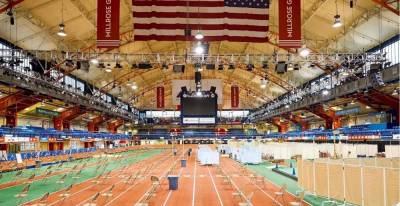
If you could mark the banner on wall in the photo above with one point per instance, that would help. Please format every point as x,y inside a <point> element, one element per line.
<point>234,96</point>
<point>108,23</point>
<point>290,24</point>
<point>160,97</point>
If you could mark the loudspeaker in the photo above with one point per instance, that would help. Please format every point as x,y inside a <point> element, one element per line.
<point>197,77</point>
<point>178,68</point>
<point>213,89</point>
<point>281,67</point>
<point>210,66</point>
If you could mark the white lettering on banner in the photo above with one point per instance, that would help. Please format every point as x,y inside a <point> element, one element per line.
<point>108,18</point>
<point>289,17</point>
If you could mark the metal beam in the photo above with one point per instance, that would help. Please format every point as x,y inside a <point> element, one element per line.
<point>387,6</point>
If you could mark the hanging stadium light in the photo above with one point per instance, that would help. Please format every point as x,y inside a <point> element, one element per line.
<point>337,22</point>
<point>61,31</point>
<point>304,51</point>
<point>199,35</point>
<point>199,49</point>
<point>325,92</point>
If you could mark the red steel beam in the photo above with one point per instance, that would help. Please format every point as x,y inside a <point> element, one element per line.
<point>93,126</point>
<point>10,5</point>
<point>387,6</point>
<point>113,126</point>
<point>331,120</point>
<point>63,120</point>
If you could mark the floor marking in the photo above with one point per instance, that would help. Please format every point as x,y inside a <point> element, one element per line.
<point>187,176</point>
<point>170,192</point>
<point>259,188</point>
<point>136,183</point>
<point>201,176</point>
<point>215,187</point>
<point>194,183</point>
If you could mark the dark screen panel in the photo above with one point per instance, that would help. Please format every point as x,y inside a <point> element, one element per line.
<point>199,106</point>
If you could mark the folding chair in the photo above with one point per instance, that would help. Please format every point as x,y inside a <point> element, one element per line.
<point>67,192</point>
<point>61,180</point>
<point>299,201</point>
<point>23,194</point>
<point>43,200</point>
<point>92,201</point>
<point>31,179</point>
<point>77,175</point>
<point>280,194</point>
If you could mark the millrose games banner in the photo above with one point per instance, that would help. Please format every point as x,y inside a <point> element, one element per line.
<point>108,23</point>
<point>160,97</point>
<point>289,23</point>
<point>234,96</point>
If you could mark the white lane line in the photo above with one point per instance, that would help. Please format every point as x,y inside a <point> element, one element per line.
<point>215,187</point>
<point>170,192</point>
<point>194,181</point>
<point>147,191</point>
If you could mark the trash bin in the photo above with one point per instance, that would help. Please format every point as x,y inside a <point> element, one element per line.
<point>38,163</point>
<point>183,163</point>
<point>173,182</point>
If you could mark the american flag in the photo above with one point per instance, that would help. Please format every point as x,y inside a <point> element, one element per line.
<point>218,20</point>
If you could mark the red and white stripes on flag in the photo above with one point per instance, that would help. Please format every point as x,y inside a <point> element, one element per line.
<point>218,20</point>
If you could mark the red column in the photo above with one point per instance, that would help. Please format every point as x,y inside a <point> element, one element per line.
<point>93,126</point>
<point>283,127</point>
<point>62,122</point>
<point>113,126</point>
<point>331,120</point>
<point>11,118</point>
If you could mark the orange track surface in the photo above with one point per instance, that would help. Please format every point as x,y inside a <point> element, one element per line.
<point>198,185</point>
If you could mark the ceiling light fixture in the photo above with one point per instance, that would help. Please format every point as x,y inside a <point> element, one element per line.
<point>108,69</point>
<point>134,87</point>
<point>94,61</point>
<point>325,92</point>
<point>304,51</point>
<point>199,35</point>
<point>337,22</point>
<point>61,30</point>
<point>199,49</point>
<point>61,26</point>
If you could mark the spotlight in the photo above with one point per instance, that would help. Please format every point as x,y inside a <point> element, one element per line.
<point>353,102</point>
<point>304,51</point>
<point>199,93</point>
<point>290,67</point>
<point>199,49</point>
<point>395,92</point>
<point>325,92</point>
<point>61,30</point>
<point>108,69</point>
<point>265,65</point>
<point>198,67</point>
<point>345,73</point>
<point>134,86</point>
<point>337,22</point>
<point>199,35</point>
<point>250,67</point>
<point>220,67</point>
<point>367,107</point>
<point>231,66</point>
<point>296,67</point>
<point>287,106</point>
<point>164,66</point>
<point>118,66</point>
<point>94,61</point>
<point>101,66</point>
<point>263,83</point>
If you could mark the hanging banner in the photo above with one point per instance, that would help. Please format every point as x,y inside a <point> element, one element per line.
<point>290,24</point>
<point>160,97</point>
<point>108,23</point>
<point>234,96</point>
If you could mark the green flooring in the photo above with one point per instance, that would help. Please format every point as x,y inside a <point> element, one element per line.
<point>265,170</point>
<point>40,187</point>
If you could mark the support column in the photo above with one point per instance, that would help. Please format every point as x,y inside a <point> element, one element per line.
<point>93,126</point>
<point>62,122</point>
<point>331,120</point>
<point>283,127</point>
<point>298,120</point>
<point>113,126</point>
<point>11,118</point>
